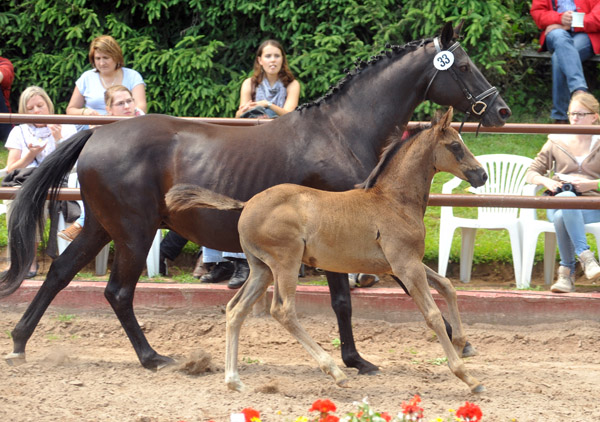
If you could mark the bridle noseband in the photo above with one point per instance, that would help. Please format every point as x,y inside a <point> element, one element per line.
<point>478,106</point>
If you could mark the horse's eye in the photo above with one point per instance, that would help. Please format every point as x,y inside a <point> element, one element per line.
<point>455,146</point>
<point>464,68</point>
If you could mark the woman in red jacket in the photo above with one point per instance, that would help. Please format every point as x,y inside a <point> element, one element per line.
<point>569,44</point>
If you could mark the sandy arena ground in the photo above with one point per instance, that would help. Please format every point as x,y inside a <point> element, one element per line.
<point>81,367</point>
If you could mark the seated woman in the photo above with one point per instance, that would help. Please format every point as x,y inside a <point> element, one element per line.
<point>119,102</point>
<point>575,159</point>
<point>29,144</point>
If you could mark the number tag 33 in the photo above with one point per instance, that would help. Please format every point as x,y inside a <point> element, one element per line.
<point>443,60</point>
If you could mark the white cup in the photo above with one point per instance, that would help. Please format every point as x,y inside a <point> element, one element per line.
<point>577,21</point>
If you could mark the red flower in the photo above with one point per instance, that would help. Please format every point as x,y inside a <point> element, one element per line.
<point>386,416</point>
<point>250,414</point>
<point>470,412</point>
<point>412,408</point>
<point>323,406</point>
<point>329,418</point>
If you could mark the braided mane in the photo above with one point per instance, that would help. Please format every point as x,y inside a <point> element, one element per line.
<point>391,52</point>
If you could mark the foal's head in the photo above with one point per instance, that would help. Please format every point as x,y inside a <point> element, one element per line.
<point>452,155</point>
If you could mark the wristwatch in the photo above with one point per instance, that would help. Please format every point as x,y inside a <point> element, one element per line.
<point>269,104</point>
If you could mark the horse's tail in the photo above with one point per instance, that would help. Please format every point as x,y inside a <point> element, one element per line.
<point>27,210</point>
<point>184,196</point>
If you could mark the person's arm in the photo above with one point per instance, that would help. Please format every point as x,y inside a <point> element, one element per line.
<point>139,95</point>
<point>245,98</point>
<point>77,107</point>
<point>543,14</point>
<point>7,73</point>
<point>591,20</point>
<point>16,160</point>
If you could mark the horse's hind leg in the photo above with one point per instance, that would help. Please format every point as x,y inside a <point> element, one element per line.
<point>446,289</point>
<point>283,309</point>
<point>81,251</point>
<point>342,306</point>
<point>237,310</point>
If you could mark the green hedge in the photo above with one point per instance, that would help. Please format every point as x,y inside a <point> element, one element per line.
<point>194,54</point>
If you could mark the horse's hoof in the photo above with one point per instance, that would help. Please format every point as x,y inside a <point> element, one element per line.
<point>158,362</point>
<point>469,351</point>
<point>345,383</point>
<point>15,359</point>
<point>480,388</point>
<point>236,386</point>
<point>369,369</point>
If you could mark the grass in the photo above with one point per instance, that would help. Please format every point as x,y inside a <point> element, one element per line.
<point>490,246</point>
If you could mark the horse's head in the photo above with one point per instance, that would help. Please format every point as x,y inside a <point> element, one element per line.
<point>454,80</point>
<point>452,155</point>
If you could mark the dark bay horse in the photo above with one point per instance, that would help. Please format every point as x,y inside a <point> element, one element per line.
<point>376,228</point>
<point>126,168</point>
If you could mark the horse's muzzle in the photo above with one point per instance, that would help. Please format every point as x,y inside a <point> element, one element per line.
<point>476,177</point>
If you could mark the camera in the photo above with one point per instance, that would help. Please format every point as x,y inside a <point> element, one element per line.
<point>566,187</point>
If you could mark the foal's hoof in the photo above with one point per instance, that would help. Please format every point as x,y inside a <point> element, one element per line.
<point>469,351</point>
<point>236,385</point>
<point>345,383</point>
<point>158,362</point>
<point>368,369</point>
<point>479,388</point>
<point>15,359</point>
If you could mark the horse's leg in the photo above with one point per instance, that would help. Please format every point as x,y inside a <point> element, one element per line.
<point>129,261</point>
<point>415,279</point>
<point>283,309</point>
<point>81,251</point>
<point>467,350</point>
<point>342,305</point>
<point>448,292</point>
<point>238,309</point>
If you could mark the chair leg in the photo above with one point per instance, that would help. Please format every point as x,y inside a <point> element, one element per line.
<point>102,260</point>
<point>445,244</point>
<point>529,245</point>
<point>152,261</point>
<point>466,253</point>
<point>549,257</point>
<point>517,254</point>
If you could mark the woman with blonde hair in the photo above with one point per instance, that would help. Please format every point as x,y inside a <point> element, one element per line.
<point>575,161</point>
<point>106,58</point>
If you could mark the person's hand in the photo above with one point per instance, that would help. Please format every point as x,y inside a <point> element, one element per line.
<point>554,26</point>
<point>56,131</point>
<point>567,18</point>
<point>584,185</point>
<point>90,112</point>
<point>245,107</point>
<point>35,149</point>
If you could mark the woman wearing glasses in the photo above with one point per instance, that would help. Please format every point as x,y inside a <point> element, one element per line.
<point>119,102</point>
<point>574,160</point>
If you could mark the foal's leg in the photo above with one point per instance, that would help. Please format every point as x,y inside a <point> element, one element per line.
<point>448,292</point>
<point>341,303</point>
<point>283,309</point>
<point>81,251</point>
<point>416,282</point>
<point>238,309</point>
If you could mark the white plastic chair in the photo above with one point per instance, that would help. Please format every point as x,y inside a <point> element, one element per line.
<point>506,177</point>
<point>531,229</point>
<point>152,261</point>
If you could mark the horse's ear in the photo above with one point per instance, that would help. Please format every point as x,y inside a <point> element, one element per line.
<point>447,37</point>
<point>444,121</point>
<point>458,29</point>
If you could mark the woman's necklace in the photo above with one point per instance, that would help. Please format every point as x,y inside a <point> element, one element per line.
<point>106,85</point>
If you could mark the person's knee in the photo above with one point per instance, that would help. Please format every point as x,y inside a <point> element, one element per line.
<point>558,39</point>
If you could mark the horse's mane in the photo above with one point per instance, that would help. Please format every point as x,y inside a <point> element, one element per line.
<point>396,141</point>
<point>391,52</point>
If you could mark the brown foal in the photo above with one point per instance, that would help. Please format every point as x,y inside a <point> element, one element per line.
<point>376,228</point>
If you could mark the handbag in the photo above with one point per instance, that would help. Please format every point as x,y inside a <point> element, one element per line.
<point>17,177</point>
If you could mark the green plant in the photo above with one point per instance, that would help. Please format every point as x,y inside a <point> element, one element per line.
<point>336,343</point>
<point>66,317</point>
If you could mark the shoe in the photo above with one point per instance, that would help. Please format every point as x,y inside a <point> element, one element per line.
<point>221,271</point>
<point>590,265</point>
<point>352,280</point>
<point>71,232</point>
<point>162,265</point>
<point>200,269</point>
<point>32,273</point>
<point>366,280</point>
<point>240,274</point>
<point>565,282</point>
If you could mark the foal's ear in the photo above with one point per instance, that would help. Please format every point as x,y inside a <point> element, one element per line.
<point>458,29</point>
<point>444,121</point>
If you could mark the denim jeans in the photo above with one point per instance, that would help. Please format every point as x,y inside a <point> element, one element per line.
<point>570,231</point>
<point>212,255</point>
<point>569,50</point>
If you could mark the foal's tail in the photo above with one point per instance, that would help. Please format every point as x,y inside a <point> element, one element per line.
<point>183,197</point>
<point>27,211</point>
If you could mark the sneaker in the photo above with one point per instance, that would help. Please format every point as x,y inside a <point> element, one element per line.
<point>565,282</point>
<point>200,269</point>
<point>590,265</point>
<point>71,232</point>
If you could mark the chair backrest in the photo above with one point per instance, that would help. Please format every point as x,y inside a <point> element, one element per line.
<point>506,176</point>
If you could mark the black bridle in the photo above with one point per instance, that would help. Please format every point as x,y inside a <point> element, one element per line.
<point>478,106</point>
